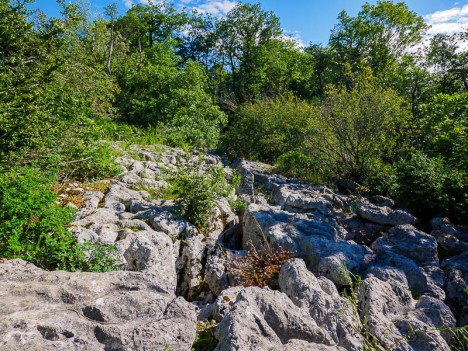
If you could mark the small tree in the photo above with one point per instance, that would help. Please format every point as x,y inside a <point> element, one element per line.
<point>355,128</point>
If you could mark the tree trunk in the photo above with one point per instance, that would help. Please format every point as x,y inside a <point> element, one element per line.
<point>111,47</point>
<point>140,51</point>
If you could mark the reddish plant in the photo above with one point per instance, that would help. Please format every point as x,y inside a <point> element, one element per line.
<point>260,268</point>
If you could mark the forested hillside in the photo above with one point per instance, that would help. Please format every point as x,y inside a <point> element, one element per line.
<point>382,105</point>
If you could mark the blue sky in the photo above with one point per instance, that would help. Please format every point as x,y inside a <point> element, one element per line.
<point>309,20</point>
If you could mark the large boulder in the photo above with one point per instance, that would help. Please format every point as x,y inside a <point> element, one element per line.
<point>408,241</point>
<point>315,238</point>
<point>383,214</point>
<point>321,299</point>
<point>90,311</point>
<point>421,280</point>
<point>456,270</point>
<point>393,318</point>
<point>262,319</point>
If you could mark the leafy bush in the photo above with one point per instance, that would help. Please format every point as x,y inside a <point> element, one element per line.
<point>357,127</point>
<point>299,165</point>
<point>173,99</point>
<point>33,226</point>
<point>197,190</point>
<point>260,268</point>
<point>54,98</point>
<point>444,128</point>
<point>268,129</point>
<point>428,187</point>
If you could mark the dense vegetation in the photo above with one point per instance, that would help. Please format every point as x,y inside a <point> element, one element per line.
<point>380,104</point>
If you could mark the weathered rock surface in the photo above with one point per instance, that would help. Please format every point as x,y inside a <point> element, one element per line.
<point>383,214</point>
<point>323,302</point>
<point>404,297</point>
<point>414,253</point>
<point>315,239</point>
<point>90,311</point>
<point>456,271</point>
<point>396,320</point>
<point>406,240</point>
<point>262,319</point>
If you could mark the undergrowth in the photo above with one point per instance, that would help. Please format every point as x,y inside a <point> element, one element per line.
<point>205,339</point>
<point>33,226</point>
<point>198,187</point>
<point>260,268</point>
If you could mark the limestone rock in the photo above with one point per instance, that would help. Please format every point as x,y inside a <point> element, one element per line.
<point>263,319</point>
<point>392,316</point>
<point>119,193</point>
<point>329,310</point>
<point>410,242</point>
<point>90,311</point>
<point>215,272</point>
<point>189,266</point>
<point>383,214</point>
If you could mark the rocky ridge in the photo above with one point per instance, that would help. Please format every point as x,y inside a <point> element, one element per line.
<point>412,285</point>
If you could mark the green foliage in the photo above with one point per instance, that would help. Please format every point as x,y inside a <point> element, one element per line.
<point>428,186</point>
<point>380,35</point>
<point>299,165</point>
<point>260,268</point>
<point>198,189</point>
<point>267,129</point>
<point>205,338</point>
<point>356,128</point>
<point>173,99</point>
<point>33,226</point>
<point>54,98</point>
<point>444,126</point>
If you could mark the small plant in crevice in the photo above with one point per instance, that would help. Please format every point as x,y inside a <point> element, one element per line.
<point>154,193</point>
<point>459,338</point>
<point>260,268</point>
<point>370,341</point>
<point>205,339</point>
<point>197,190</point>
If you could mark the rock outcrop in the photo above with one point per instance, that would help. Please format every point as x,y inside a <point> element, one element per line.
<point>363,274</point>
<point>91,311</point>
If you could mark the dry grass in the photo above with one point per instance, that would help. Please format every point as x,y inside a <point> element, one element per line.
<point>73,192</point>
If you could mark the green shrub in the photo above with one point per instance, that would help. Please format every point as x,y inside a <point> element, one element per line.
<point>296,164</point>
<point>428,187</point>
<point>198,189</point>
<point>356,127</point>
<point>444,128</point>
<point>173,99</point>
<point>55,99</point>
<point>33,226</point>
<point>382,179</point>
<point>268,129</point>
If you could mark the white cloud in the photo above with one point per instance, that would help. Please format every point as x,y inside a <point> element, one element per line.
<point>128,3</point>
<point>446,28</point>
<point>448,21</point>
<point>295,37</point>
<point>216,7</point>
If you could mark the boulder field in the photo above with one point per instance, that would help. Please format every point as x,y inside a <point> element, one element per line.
<point>364,275</point>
